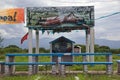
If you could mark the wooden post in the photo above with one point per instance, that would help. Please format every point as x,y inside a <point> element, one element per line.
<point>109,67</point>
<point>92,44</point>
<point>31,67</point>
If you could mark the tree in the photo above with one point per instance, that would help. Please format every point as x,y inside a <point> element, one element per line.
<point>97,48</point>
<point>115,51</point>
<point>1,40</point>
<point>12,46</point>
<point>13,49</point>
<point>104,49</point>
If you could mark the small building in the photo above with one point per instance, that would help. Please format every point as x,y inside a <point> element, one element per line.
<point>62,45</point>
<point>77,49</point>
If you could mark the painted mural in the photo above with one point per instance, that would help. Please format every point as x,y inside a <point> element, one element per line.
<point>60,17</point>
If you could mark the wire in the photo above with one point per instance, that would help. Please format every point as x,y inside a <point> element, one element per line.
<point>107,15</point>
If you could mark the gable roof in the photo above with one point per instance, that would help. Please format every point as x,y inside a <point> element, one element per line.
<point>62,38</point>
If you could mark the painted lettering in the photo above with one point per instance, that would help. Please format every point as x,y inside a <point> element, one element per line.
<point>15,16</point>
<point>9,18</point>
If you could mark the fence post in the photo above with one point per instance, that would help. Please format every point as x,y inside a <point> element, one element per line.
<point>53,69</point>
<point>85,69</point>
<point>60,66</point>
<point>9,69</point>
<point>118,62</point>
<point>109,66</point>
<point>2,69</point>
<point>13,66</point>
<point>62,70</point>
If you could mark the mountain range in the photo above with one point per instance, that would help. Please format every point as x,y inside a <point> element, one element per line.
<point>44,42</point>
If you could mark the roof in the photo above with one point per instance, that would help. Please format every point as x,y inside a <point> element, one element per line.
<point>77,47</point>
<point>62,38</point>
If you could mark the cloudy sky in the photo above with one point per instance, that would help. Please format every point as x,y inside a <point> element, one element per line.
<point>107,28</point>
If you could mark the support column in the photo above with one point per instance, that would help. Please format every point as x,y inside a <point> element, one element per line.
<point>92,43</point>
<point>87,43</point>
<point>37,52</point>
<point>31,67</point>
<point>37,41</point>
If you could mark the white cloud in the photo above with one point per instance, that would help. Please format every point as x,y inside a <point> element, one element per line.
<point>106,8</point>
<point>108,28</point>
<point>3,32</point>
<point>6,4</point>
<point>105,28</point>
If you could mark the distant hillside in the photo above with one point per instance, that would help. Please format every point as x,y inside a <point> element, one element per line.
<point>44,42</point>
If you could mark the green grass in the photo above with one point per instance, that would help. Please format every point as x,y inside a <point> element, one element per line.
<point>67,77</point>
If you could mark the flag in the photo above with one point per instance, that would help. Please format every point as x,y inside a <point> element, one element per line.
<point>24,37</point>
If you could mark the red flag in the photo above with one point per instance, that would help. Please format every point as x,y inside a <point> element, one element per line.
<point>24,37</point>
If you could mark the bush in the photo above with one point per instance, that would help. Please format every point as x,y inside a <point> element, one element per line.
<point>13,50</point>
<point>2,51</point>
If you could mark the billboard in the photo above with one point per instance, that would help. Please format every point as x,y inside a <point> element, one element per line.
<point>12,16</point>
<point>57,17</point>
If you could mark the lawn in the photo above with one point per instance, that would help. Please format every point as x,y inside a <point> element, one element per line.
<point>67,77</point>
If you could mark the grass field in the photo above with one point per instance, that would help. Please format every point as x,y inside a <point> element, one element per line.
<point>67,77</point>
